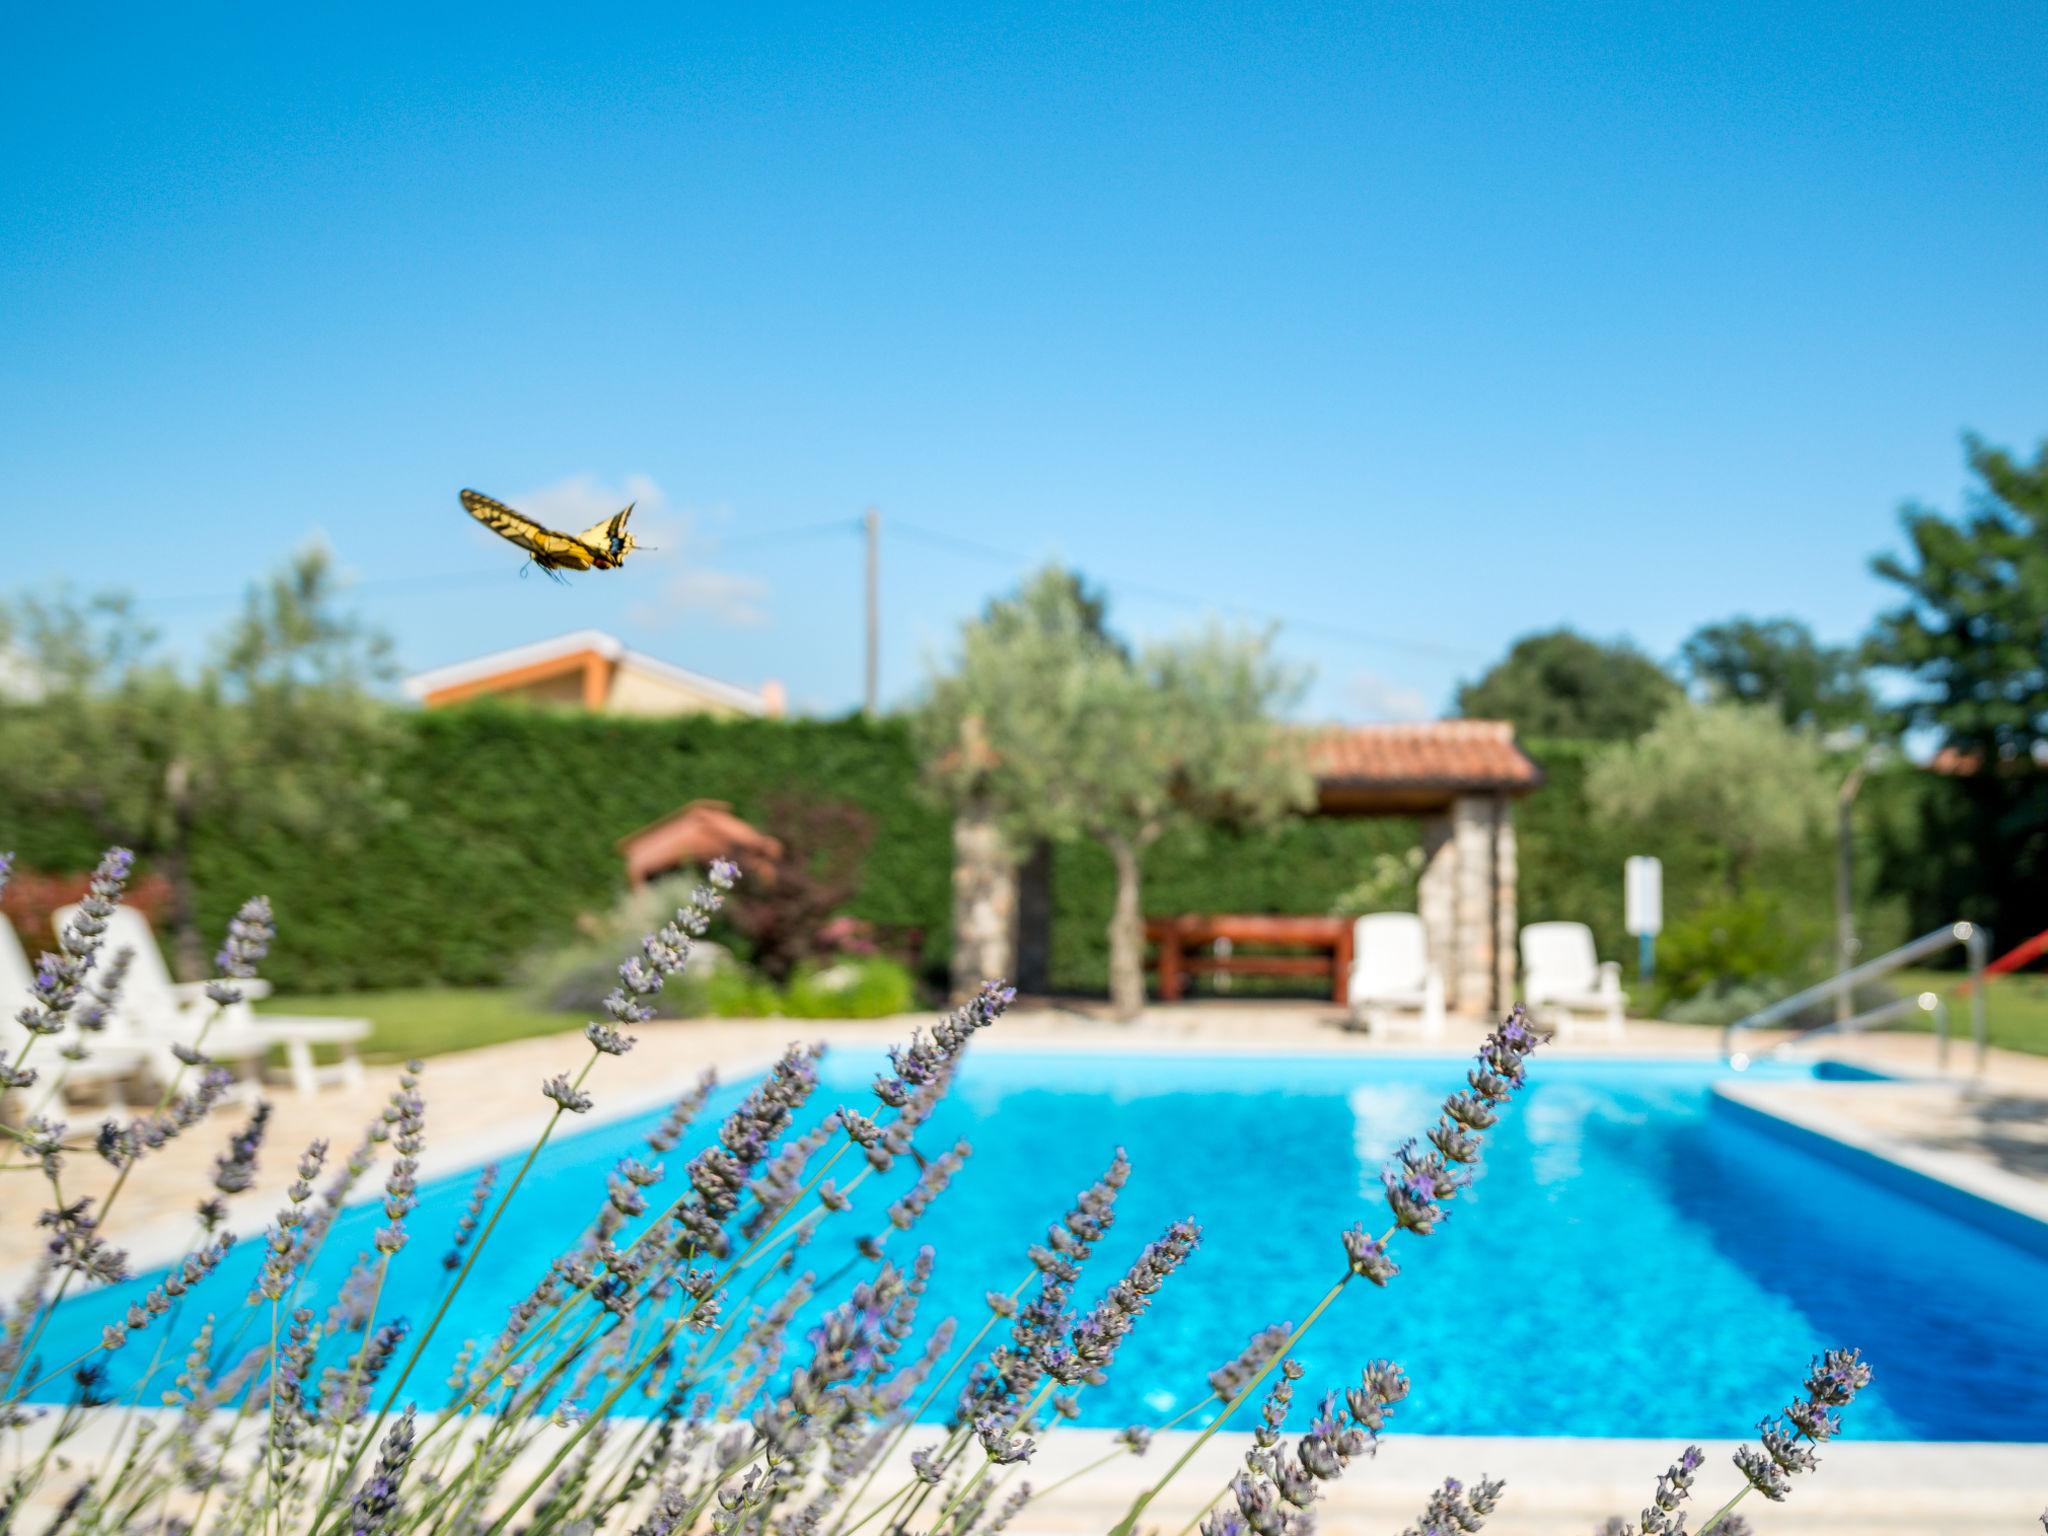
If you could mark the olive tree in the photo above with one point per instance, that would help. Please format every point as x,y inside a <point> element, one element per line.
<point>1053,727</point>
<point>279,727</point>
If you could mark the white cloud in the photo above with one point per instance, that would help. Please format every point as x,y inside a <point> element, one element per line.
<point>690,589</point>
<point>1381,698</point>
<point>723,597</point>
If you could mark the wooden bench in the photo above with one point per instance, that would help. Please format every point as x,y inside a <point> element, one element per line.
<point>1184,946</point>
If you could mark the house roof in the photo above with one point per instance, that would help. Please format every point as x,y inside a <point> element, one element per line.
<point>1416,765</point>
<point>581,642</point>
<point>696,833</point>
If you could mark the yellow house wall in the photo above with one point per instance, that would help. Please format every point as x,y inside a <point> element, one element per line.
<point>565,691</point>
<point>638,693</point>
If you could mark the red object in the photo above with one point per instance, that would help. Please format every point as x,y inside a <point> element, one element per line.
<point>693,836</point>
<point>2014,958</point>
<point>1459,754</point>
<point>1328,937</point>
<point>31,898</point>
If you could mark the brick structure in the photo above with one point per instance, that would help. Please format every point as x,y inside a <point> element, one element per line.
<point>1459,778</point>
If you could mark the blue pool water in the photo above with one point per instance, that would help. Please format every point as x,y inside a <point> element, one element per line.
<point>1632,1262</point>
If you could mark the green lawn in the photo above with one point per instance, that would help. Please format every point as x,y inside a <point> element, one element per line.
<point>2016,1013</point>
<point>427,1021</point>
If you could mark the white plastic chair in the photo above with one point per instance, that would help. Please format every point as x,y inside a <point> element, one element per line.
<point>110,1056</point>
<point>1391,975</point>
<point>161,1013</point>
<point>1564,981</point>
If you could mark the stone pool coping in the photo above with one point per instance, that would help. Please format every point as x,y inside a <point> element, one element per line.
<point>1555,1486</point>
<point>1817,1116</point>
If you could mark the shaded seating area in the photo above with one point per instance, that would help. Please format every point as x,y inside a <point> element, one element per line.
<point>1457,780</point>
<point>1246,945</point>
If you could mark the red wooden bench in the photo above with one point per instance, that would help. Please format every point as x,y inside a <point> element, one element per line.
<point>1184,946</point>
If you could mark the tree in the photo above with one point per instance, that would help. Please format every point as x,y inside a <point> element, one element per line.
<point>1972,631</point>
<point>1733,777</point>
<point>824,843</point>
<point>1055,728</point>
<point>1778,663</point>
<point>276,729</point>
<point>1563,685</point>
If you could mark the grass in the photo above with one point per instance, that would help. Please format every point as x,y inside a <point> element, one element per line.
<point>2016,1014</point>
<point>430,1021</point>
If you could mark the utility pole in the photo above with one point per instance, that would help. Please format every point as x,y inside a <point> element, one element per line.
<point>1846,944</point>
<point>872,524</point>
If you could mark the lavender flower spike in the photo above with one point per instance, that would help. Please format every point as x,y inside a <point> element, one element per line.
<point>59,979</point>
<point>248,941</point>
<point>1454,1508</point>
<point>663,954</point>
<point>1789,1440</point>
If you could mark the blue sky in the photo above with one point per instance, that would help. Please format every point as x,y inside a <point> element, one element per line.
<point>1418,326</point>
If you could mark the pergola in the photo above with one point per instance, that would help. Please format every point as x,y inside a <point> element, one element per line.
<point>1458,778</point>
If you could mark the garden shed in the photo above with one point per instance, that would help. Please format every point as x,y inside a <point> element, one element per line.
<point>1458,778</point>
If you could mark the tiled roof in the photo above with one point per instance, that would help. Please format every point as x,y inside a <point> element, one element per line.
<point>1448,754</point>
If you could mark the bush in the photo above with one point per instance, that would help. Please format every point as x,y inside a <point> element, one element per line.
<point>734,992</point>
<point>1735,943</point>
<point>577,976</point>
<point>872,988</point>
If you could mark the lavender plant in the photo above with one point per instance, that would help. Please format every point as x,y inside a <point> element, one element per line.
<point>685,1360</point>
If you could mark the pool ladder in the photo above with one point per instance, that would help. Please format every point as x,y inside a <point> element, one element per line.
<point>1975,940</point>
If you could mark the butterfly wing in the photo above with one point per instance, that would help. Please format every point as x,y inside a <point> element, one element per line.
<point>608,541</point>
<point>549,549</point>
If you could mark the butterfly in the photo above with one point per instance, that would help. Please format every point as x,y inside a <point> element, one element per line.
<point>602,546</point>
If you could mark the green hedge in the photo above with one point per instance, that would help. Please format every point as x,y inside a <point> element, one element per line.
<point>506,819</point>
<point>503,832</point>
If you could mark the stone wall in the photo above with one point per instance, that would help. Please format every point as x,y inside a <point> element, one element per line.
<point>1466,899</point>
<point>984,904</point>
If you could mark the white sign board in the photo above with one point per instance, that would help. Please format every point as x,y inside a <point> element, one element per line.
<point>1643,895</point>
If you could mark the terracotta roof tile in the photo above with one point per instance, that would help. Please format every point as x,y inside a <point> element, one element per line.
<point>1449,754</point>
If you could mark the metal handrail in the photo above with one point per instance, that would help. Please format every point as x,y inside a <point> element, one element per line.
<point>1976,942</point>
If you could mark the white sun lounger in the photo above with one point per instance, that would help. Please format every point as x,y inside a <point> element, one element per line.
<point>110,1058</point>
<point>1392,981</point>
<point>1564,981</point>
<point>161,1013</point>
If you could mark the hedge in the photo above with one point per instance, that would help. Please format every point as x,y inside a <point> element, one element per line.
<point>502,831</point>
<point>503,824</point>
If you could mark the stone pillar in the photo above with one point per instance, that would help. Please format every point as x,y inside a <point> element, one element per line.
<point>1470,981</point>
<point>1507,930</point>
<point>984,904</point>
<point>1436,900</point>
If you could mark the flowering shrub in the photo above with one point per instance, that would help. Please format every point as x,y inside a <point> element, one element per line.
<point>684,1296</point>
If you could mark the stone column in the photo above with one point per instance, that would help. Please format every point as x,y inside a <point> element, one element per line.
<point>1507,930</point>
<point>1436,900</point>
<point>984,904</point>
<point>1470,981</point>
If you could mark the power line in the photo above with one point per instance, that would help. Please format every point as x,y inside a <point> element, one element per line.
<point>841,525</point>
<point>1339,632</point>
<point>932,538</point>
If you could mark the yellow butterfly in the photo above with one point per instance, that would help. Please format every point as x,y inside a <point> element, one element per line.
<point>602,546</point>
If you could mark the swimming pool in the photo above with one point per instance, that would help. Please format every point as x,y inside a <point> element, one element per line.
<point>1631,1262</point>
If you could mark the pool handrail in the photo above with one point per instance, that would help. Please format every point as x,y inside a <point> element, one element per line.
<point>1976,942</point>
